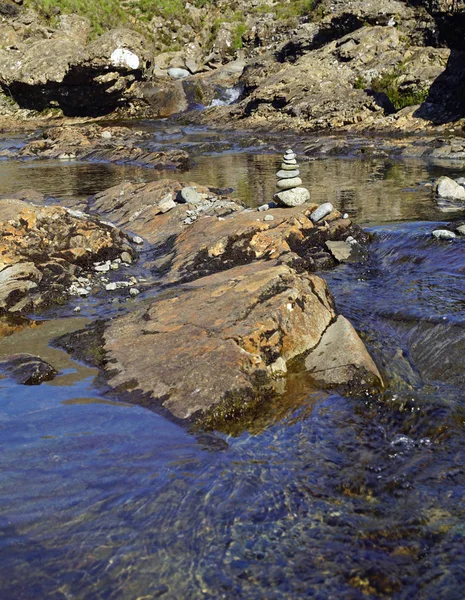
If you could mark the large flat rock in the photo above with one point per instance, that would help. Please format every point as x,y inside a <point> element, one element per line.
<point>219,338</point>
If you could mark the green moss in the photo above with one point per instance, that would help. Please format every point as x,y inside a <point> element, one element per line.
<point>389,84</point>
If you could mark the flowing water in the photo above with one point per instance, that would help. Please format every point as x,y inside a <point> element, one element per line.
<point>330,497</point>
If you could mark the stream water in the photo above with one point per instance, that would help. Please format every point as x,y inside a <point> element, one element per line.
<point>331,497</point>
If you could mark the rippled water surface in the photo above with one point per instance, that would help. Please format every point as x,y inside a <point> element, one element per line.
<point>330,497</point>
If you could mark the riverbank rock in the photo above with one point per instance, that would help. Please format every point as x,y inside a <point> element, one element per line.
<point>57,70</point>
<point>44,248</point>
<point>93,142</point>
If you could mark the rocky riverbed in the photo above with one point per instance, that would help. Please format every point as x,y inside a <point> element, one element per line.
<point>201,305</point>
<point>234,294</point>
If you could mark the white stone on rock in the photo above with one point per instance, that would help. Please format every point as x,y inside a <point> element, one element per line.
<point>177,73</point>
<point>268,218</point>
<point>293,197</point>
<point>446,187</point>
<point>287,174</point>
<point>291,156</point>
<point>444,234</point>
<point>289,151</point>
<point>289,167</point>
<point>136,239</point>
<point>122,57</point>
<point>321,212</point>
<point>190,195</point>
<point>287,184</point>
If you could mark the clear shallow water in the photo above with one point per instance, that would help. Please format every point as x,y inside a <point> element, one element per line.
<point>336,498</point>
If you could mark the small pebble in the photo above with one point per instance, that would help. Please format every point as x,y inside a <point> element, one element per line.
<point>263,207</point>
<point>134,292</point>
<point>126,258</point>
<point>82,291</point>
<point>114,266</point>
<point>102,268</point>
<point>135,239</point>
<point>77,309</point>
<point>268,218</point>
<point>345,216</point>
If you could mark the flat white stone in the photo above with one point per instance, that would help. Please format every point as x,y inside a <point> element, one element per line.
<point>287,184</point>
<point>293,197</point>
<point>177,73</point>
<point>291,156</point>
<point>289,167</point>
<point>289,161</point>
<point>287,174</point>
<point>122,57</point>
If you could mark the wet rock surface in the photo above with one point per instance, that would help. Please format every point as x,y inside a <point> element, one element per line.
<point>27,369</point>
<point>120,145</point>
<point>45,249</point>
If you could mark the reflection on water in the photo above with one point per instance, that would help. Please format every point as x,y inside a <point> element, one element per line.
<point>328,497</point>
<point>372,191</point>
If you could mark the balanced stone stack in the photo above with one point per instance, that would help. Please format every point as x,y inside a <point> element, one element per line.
<point>290,193</point>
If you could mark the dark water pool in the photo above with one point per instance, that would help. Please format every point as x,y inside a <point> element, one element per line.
<point>335,498</point>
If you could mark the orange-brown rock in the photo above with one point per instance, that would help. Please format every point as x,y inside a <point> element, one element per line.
<point>202,343</point>
<point>40,247</point>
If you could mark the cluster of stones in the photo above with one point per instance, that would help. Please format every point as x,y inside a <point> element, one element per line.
<point>290,193</point>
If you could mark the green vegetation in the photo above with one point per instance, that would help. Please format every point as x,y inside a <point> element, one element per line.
<point>238,33</point>
<point>103,15</point>
<point>389,84</point>
<point>360,83</point>
<point>287,10</point>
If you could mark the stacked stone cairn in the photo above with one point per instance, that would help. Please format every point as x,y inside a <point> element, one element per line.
<point>290,193</point>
